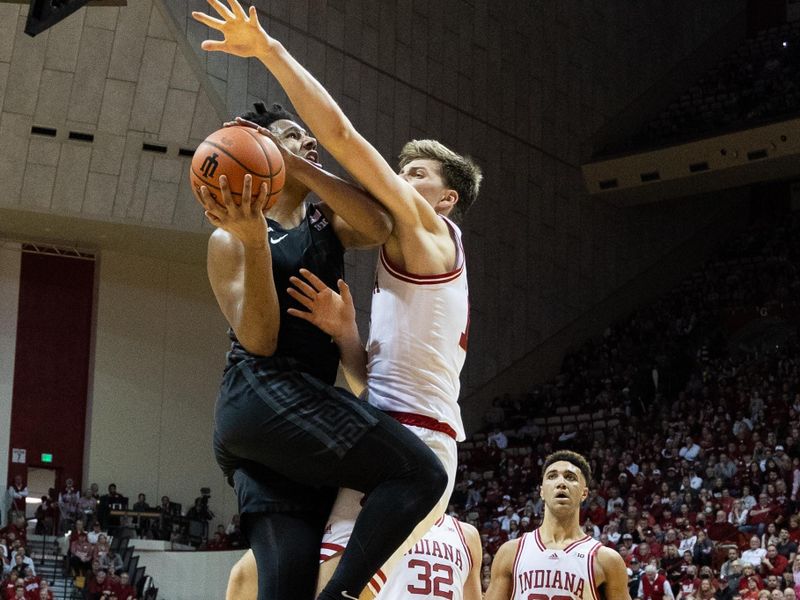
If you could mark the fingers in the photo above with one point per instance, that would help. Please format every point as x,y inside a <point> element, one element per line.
<point>304,300</point>
<point>208,20</point>
<point>246,123</point>
<point>263,197</point>
<point>344,291</point>
<point>318,284</point>
<point>237,9</point>
<point>225,188</point>
<point>197,197</point>
<point>301,285</point>
<point>213,46</point>
<point>223,10</point>
<point>213,219</point>
<point>247,192</point>
<point>203,196</point>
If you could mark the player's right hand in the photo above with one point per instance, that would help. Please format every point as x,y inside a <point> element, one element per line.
<point>244,221</point>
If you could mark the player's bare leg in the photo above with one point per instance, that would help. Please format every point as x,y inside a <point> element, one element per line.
<point>243,580</point>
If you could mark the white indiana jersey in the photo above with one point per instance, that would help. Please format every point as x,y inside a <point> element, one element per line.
<point>547,574</point>
<point>436,567</point>
<point>418,340</point>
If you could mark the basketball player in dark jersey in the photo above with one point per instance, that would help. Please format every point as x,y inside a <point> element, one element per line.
<point>283,435</point>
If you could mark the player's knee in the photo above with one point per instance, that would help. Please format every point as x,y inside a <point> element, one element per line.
<point>238,580</point>
<point>434,479</point>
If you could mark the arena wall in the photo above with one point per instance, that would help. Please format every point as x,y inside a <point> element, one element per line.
<point>159,353</point>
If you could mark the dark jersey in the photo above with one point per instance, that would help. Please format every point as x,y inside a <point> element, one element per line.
<point>312,245</point>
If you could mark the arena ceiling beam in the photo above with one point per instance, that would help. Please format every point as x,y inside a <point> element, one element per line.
<point>769,152</point>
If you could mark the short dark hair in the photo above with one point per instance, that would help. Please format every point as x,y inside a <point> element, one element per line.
<point>572,458</point>
<point>267,116</point>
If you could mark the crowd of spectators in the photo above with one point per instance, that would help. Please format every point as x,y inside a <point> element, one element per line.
<point>94,563</point>
<point>696,480</point>
<point>20,579</point>
<point>757,83</point>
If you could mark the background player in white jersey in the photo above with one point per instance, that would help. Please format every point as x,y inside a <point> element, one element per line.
<point>558,561</point>
<point>423,253</point>
<point>446,563</point>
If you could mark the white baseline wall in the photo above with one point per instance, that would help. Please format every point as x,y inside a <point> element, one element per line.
<point>10,261</point>
<point>159,352</point>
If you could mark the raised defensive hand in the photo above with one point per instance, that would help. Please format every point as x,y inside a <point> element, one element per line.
<point>243,34</point>
<point>333,313</point>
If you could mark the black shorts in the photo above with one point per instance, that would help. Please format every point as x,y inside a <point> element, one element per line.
<point>259,489</point>
<point>277,430</point>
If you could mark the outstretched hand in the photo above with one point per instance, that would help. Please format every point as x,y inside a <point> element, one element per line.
<point>333,313</point>
<point>243,34</point>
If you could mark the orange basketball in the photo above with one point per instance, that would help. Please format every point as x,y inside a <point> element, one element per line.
<point>234,152</point>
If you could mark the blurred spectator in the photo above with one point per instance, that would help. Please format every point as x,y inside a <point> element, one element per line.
<point>27,560</point>
<point>141,504</point>
<point>111,562</point>
<point>653,585</point>
<point>124,589</point>
<point>113,500</point>
<point>497,439</point>
<point>773,563</point>
<point>755,553</point>
<point>94,535</point>
<point>81,551</point>
<point>17,493</point>
<point>87,506</point>
<point>68,504</point>
<point>98,584</point>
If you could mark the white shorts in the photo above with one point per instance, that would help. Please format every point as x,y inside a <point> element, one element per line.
<point>348,505</point>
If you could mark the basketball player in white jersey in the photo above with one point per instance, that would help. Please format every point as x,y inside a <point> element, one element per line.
<point>446,563</point>
<point>420,307</point>
<point>558,561</point>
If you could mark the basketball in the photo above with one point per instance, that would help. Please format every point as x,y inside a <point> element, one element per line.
<point>234,152</point>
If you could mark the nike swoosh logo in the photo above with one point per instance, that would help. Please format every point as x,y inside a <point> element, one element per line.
<point>277,240</point>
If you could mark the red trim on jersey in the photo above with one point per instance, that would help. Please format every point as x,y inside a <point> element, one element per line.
<point>402,275</point>
<point>516,563</point>
<point>441,520</point>
<point>377,582</point>
<point>592,583</point>
<point>573,544</point>
<point>538,538</point>
<point>463,541</point>
<point>326,546</point>
<point>422,421</point>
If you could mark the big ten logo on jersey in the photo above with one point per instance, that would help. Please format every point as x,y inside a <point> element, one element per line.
<point>318,220</point>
